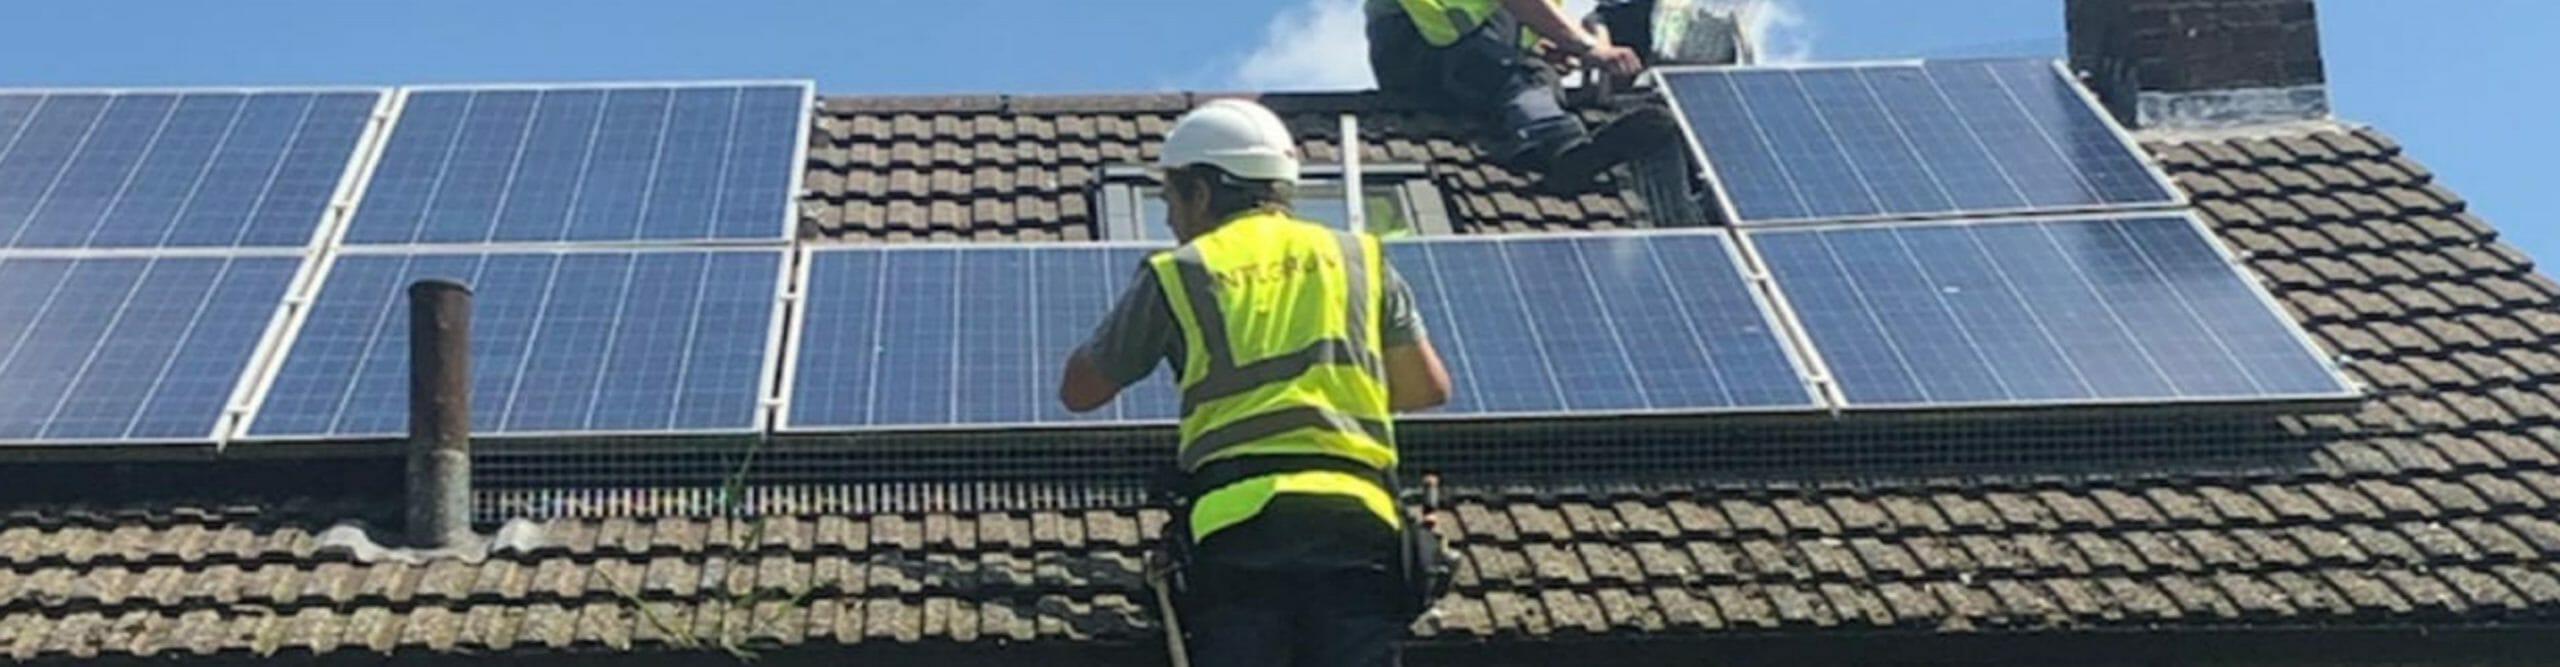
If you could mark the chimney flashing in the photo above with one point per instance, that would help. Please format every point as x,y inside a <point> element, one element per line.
<point>2205,109</point>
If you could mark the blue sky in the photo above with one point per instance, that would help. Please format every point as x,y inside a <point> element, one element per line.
<point>2462,84</point>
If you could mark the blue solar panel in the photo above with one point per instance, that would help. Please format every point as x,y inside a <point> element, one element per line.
<point>129,349</point>
<point>973,337</point>
<point>930,337</point>
<point>646,163</point>
<point>2135,308</point>
<point>1598,324</point>
<point>147,170</point>
<point>1859,142</point>
<point>576,342</point>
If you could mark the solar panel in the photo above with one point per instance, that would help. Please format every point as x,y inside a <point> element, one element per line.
<point>562,342</point>
<point>2047,311</point>
<point>1600,323</point>
<point>129,349</point>
<point>627,163</point>
<point>973,337</point>
<point>944,336</point>
<point>1929,139</point>
<point>173,169</point>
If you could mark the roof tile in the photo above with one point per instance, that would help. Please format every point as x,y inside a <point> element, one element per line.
<point>2108,555</point>
<point>1889,560</point>
<point>1914,515</point>
<point>2306,148</point>
<point>2535,583</point>
<point>2424,591</point>
<point>2439,542</point>
<point>2074,510</point>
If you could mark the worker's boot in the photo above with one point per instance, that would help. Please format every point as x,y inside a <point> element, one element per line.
<point>1577,168</point>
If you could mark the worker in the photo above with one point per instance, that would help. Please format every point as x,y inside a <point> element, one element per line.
<point>1480,58</point>
<point>1291,342</point>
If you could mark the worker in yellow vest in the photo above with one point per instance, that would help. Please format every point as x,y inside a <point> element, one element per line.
<point>1478,58</point>
<point>1291,343</point>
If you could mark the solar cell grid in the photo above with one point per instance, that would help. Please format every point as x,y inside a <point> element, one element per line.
<point>685,163</point>
<point>129,349</point>
<point>1927,139</point>
<point>173,169</point>
<point>562,342</point>
<point>2035,312</point>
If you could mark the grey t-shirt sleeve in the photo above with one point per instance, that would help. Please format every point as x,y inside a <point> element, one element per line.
<point>1404,319</point>
<point>1138,332</point>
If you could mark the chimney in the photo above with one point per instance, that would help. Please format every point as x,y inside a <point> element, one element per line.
<point>439,455</point>
<point>2200,63</point>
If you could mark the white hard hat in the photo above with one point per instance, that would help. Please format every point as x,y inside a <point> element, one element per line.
<point>1241,137</point>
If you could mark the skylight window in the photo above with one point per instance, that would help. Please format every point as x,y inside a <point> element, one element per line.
<point>1395,199</point>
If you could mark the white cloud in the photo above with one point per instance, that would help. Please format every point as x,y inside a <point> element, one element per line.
<point>1780,31</point>
<point>1322,45</point>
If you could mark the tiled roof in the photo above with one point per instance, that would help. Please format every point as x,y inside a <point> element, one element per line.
<point>1026,168</point>
<point>2436,506</point>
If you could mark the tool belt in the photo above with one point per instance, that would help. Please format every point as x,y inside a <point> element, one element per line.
<point>1424,566</point>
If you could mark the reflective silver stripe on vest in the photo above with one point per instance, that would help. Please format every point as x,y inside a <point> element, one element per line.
<point>1275,369</point>
<point>1200,289</point>
<point>1355,257</point>
<point>1262,426</point>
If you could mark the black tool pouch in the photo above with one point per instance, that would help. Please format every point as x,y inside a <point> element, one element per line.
<point>1427,567</point>
<point>1175,547</point>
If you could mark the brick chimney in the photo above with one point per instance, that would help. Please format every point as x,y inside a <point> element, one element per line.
<point>2200,63</point>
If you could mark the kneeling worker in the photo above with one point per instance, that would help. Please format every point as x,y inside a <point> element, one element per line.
<point>1477,57</point>
<point>1291,343</point>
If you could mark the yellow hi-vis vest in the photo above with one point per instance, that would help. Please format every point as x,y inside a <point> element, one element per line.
<point>1442,22</point>
<point>1280,322</point>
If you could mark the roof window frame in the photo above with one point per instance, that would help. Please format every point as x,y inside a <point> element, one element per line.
<point>1119,196</point>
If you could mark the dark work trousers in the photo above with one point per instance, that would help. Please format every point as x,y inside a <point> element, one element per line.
<point>1485,75</point>
<point>1292,618</point>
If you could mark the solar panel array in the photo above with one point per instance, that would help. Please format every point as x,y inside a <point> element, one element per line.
<point>2121,309</point>
<point>1978,232</point>
<point>588,164</point>
<point>974,336</point>
<point>176,169</point>
<point>561,342</point>
<point>626,245</point>
<point>150,240</point>
<point>1933,139</point>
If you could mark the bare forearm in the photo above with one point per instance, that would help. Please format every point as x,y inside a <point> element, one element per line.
<point>1083,387</point>
<point>1548,21</point>
<point>1415,377</point>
